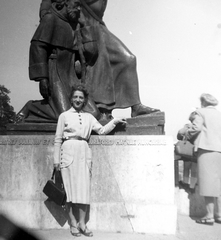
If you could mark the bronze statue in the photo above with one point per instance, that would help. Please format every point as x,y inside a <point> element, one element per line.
<point>75,45</point>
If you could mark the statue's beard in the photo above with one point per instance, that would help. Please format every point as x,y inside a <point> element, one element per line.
<point>73,14</point>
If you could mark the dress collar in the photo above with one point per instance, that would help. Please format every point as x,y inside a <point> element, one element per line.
<point>210,107</point>
<point>74,110</point>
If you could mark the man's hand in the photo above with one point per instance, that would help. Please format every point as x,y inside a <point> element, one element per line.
<point>44,88</point>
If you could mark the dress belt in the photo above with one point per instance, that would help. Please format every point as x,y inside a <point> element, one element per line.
<point>75,138</point>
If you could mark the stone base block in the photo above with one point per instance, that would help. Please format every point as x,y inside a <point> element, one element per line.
<point>190,204</point>
<point>109,217</point>
<point>132,187</point>
<point>140,218</point>
<point>34,214</point>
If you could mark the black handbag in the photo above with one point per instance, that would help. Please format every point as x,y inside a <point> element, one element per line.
<point>184,148</point>
<point>55,190</point>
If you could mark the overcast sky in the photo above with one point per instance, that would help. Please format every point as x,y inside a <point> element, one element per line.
<point>177,44</point>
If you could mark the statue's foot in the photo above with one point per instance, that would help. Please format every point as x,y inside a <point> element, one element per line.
<point>20,117</point>
<point>23,113</point>
<point>140,109</point>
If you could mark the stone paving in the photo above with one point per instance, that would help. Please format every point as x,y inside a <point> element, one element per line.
<point>187,229</point>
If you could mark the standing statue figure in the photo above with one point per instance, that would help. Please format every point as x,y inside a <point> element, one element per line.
<point>67,48</point>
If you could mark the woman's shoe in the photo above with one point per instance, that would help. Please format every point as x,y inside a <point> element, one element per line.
<point>207,221</point>
<point>86,232</point>
<point>218,220</point>
<point>75,231</point>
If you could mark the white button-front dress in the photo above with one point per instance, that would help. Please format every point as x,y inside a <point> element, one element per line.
<point>74,155</point>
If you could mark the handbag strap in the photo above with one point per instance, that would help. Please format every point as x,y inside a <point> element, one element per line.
<point>58,178</point>
<point>185,138</point>
<point>52,177</point>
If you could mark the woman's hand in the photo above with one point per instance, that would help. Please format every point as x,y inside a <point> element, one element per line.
<point>120,120</point>
<point>57,166</point>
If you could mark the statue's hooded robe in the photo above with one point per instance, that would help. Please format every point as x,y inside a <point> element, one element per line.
<point>111,76</point>
<point>52,56</point>
<point>112,80</point>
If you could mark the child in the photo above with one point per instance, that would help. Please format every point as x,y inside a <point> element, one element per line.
<point>189,166</point>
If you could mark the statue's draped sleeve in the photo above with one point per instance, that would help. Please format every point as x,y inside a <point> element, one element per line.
<point>44,7</point>
<point>52,32</point>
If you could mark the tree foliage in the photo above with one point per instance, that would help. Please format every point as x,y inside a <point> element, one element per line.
<point>7,113</point>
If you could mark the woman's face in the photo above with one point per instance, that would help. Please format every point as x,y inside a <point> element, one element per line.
<point>78,100</point>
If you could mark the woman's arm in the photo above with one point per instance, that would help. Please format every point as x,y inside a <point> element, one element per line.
<point>58,140</point>
<point>181,133</point>
<point>196,127</point>
<point>103,130</point>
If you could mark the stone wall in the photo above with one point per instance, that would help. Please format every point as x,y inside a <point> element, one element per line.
<point>132,183</point>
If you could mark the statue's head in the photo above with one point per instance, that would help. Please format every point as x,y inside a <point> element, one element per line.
<point>73,9</point>
<point>59,4</point>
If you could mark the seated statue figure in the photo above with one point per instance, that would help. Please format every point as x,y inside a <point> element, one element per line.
<point>75,45</point>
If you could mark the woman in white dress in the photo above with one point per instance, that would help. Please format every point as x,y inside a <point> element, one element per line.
<point>72,156</point>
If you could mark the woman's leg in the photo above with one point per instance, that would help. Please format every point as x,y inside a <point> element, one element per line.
<point>193,178</point>
<point>70,208</point>
<point>209,218</point>
<point>209,207</point>
<point>186,172</point>
<point>218,212</point>
<point>82,214</point>
<point>73,222</point>
<point>82,223</point>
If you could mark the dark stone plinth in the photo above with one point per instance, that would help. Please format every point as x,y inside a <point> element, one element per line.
<point>152,124</point>
<point>2,130</point>
<point>31,129</point>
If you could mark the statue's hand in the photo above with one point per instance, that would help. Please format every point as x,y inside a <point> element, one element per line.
<point>44,88</point>
<point>82,20</point>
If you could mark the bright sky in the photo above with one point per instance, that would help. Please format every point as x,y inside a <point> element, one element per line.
<point>177,44</point>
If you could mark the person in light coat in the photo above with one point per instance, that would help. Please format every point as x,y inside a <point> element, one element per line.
<point>206,129</point>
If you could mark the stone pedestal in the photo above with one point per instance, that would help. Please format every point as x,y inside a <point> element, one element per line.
<point>132,184</point>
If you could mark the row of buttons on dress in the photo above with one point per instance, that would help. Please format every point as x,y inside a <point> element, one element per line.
<point>61,155</point>
<point>79,115</point>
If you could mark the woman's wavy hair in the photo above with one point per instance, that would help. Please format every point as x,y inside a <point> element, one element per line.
<point>82,88</point>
